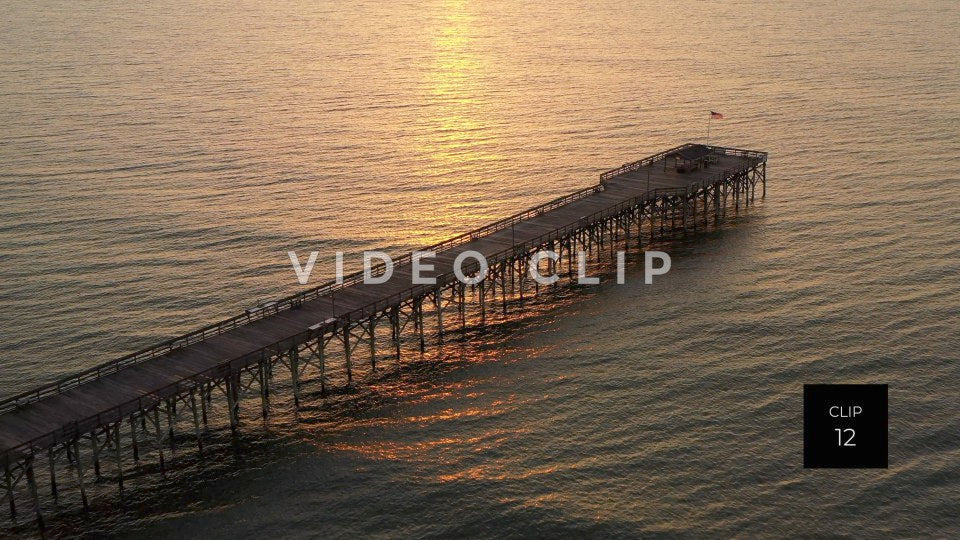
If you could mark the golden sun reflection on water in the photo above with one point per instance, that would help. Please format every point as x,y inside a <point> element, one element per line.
<point>499,472</point>
<point>458,129</point>
<point>457,145</point>
<point>435,450</point>
<point>430,407</point>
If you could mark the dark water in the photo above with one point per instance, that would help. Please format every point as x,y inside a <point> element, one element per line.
<point>157,162</point>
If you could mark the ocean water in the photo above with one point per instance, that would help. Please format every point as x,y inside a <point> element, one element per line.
<point>157,162</point>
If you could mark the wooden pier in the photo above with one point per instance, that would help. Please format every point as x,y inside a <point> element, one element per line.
<point>95,425</point>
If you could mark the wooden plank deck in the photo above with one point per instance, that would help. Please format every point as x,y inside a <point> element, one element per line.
<point>60,411</point>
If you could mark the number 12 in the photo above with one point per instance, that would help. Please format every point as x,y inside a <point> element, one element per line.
<point>840,434</point>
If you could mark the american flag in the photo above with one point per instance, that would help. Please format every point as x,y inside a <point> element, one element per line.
<point>716,115</point>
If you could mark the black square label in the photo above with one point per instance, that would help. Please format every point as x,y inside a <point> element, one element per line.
<point>845,426</point>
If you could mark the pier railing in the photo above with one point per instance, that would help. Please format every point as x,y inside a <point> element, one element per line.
<point>295,300</point>
<point>272,307</point>
<point>73,430</point>
<point>650,160</point>
<point>114,414</point>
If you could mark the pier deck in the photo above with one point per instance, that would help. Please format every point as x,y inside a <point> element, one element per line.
<point>100,399</point>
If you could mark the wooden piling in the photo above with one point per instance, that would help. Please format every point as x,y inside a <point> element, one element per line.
<point>95,451</point>
<point>32,486</point>
<point>133,438</point>
<point>118,453</point>
<point>196,420</point>
<point>346,353</point>
<point>52,464</point>
<point>158,434</point>
<point>294,358</point>
<point>372,333</point>
<point>8,484</point>
<point>78,472</point>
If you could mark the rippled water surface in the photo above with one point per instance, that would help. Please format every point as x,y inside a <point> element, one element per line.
<point>158,160</point>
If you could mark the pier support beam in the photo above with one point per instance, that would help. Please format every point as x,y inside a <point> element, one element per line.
<point>32,486</point>
<point>438,307</point>
<point>763,178</point>
<point>171,420</point>
<point>159,436</point>
<point>462,294</point>
<point>95,451</point>
<point>395,330</point>
<point>78,472</point>
<point>263,373</point>
<point>133,438</point>
<point>118,452</point>
<point>418,311</point>
<point>483,302</point>
<point>196,421</point>
<point>372,332</point>
<point>346,352</point>
<point>8,484</point>
<point>322,360</point>
<point>294,360</point>
<point>232,383</point>
<point>52,463</point>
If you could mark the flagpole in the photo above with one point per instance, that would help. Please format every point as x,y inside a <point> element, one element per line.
<point>709,118</point>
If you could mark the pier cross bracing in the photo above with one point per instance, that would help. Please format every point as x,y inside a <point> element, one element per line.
<point>105,416</point>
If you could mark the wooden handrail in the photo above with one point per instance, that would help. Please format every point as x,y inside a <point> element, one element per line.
<point>191,381</point>
<point>290,302</point>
